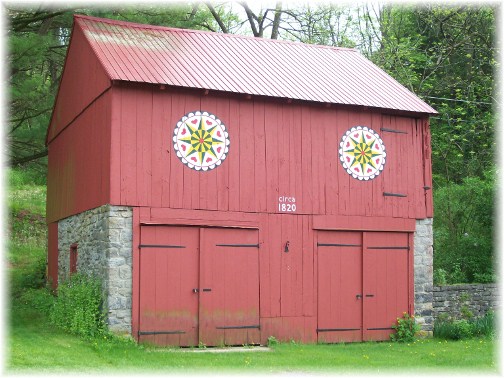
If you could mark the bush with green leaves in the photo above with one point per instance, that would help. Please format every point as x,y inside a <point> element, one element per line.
<point>78,307</point>
<point>458,329</point>
<point>463,231</point>
<point>406,328</point>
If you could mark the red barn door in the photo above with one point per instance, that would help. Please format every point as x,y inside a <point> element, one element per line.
<point>386,257</point>
<point>199,285</point>
<point>363,284</point>
<point>169,259</point>
<point>339,286</point>
<point>229,290</point>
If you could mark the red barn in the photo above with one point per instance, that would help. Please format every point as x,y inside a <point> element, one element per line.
<point>226,188</point>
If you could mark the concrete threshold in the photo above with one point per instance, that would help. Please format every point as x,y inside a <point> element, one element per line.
<point>237,349</point>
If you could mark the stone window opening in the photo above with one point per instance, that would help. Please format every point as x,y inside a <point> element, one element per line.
<point>73,258</point>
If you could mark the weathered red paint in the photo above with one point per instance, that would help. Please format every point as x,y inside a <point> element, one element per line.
<point>110,142</point>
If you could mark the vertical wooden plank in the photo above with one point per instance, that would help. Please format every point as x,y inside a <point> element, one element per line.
<point>297,155</point>
<point>128,146</point>
<point>265,252</point>
<point>176,181</point>
<point>233,158</point>
<point>306,160</point>
<point>307,263</point>
<point>332,164</point>
<point>283,151</point>
<point>144,146</point>
<point>259,157</point>
<point>276,251</point>
<point>161,140</point>
<point>222,109</point>
<point>343,177</point>
<point>247,153</point>
<point>272,159</point>
<point>377,184</point>
<point>411,273</point>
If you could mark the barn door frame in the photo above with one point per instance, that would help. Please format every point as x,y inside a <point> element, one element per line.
<point>200,290</point>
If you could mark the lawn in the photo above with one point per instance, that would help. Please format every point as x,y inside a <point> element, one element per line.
<point>34,345</point>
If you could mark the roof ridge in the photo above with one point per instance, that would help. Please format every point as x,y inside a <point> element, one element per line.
<point>225,35</point>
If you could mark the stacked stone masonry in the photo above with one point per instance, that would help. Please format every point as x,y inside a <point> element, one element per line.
<point>423,260</point>
<point>104,245</point>
<point>453,300</point>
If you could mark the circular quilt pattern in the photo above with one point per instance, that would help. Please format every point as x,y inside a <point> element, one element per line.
<point>362,153</point>
<point>201,141</point>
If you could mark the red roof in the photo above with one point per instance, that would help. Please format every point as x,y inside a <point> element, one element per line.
<point>239,64</point>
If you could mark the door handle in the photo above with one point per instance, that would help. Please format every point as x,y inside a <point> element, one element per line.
<point>195,290</point>
<point>358,296</point>
<point>369,295</point>
<point>207,289</point>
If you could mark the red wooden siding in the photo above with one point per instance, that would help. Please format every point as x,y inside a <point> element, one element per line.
<point>78,176</point>
<point>276,150</point>
<point>83,80</point>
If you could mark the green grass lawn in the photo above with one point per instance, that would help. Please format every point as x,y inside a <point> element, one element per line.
<point>34,345</point>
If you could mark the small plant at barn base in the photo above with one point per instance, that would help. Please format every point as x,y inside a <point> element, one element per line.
<point>272,341</point>
<point>78,307</point>
<point>406,328</point>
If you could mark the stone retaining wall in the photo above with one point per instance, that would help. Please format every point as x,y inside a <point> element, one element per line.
<point>423,260</point>
<point>104,244</point>
<point>455,299</point>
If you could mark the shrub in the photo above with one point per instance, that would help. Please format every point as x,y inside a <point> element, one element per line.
<point>453,329</point>
<point>272,341</point>
<point>440,277</point>
<point>406,328</point>
<point>485,325</point>
<point>78,307</point>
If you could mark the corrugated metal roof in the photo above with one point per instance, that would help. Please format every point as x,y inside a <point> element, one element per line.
<point>238,64</point>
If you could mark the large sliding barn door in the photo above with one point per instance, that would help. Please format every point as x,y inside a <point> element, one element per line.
<point>363,284</point>
<point>199,285</point>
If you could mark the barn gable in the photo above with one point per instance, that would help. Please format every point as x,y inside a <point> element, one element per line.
<point>84,71</point>
<point>194,160</point>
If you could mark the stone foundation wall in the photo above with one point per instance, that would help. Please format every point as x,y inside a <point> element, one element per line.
<point>104,245</point>
<point>423,260</point>
<point>455,299</point>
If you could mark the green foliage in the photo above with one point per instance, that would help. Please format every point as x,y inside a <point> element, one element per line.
<point>485,325</point>
<point>272,341</point>
<point>40,299</point>
<point>406,328</point>
<point>463,230</point>
<point>78,307</point>
<point>452,329</point>
<point>440,277</point>
<point>457,329</point>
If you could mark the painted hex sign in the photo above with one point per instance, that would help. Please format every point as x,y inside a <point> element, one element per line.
<point>201,141</point>
<point>362,153</point>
